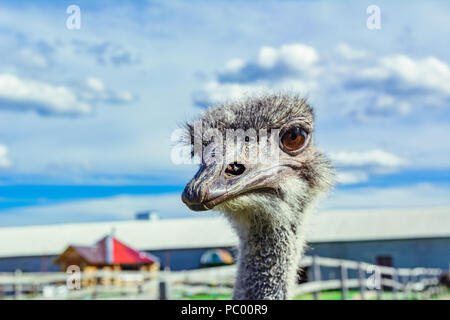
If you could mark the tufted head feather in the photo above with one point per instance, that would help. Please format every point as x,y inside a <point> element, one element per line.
<point>262,112</point>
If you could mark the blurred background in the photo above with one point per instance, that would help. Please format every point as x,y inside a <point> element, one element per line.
<point>91,93</point>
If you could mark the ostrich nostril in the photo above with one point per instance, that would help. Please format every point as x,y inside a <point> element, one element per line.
<point>235,169</point>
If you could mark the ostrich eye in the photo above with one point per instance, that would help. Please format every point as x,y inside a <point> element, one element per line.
<point>294,139</point>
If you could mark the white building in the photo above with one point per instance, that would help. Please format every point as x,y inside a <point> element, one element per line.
<point>401,237</point>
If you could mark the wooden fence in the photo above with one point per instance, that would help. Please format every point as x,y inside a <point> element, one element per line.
<point>370,281</point>
<point>419,283</point>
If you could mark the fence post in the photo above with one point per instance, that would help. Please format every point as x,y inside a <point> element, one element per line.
<point>413,285</point>
<point>362,280</point>
<point>316,277</point>
<point>344,290</point>
<point>429,287</point>
<point>17,284</point>
<point>405,287</point>
<point>395,284</point>
<point>379,288</point>
<point>415,279</point>
<point>163,290</point>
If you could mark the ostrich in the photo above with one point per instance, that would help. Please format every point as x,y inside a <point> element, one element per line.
<point>267,204</point>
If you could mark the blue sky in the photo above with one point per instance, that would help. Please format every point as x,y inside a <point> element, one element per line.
<point>86,115</point>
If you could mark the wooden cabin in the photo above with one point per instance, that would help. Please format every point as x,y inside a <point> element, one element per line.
<point>108,254</point>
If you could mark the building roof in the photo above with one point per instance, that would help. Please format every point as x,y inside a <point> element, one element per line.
<point>110,251</point>
<point>215,232</point>
<point>94,255</point>
<point>380,224</point>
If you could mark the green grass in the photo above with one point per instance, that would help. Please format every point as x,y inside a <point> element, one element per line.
<point>325,295</point>
<point>205,296</point>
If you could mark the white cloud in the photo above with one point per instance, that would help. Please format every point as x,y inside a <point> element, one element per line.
<point>391,86</point>
<point>292,67</point>
<point>95,91</point>
<point>298,56</point>
<point>95,84</point>
<point>380,105</point>
<point>4,160</point>
<point>107,52</point>
<point>34,59</point>
<point>234,65</point>
<point>404,75</point>
<point>356,167</point>
<point>268,56</point>
<point>429,73</point>
<point>24,94</point>
<point>386,103</point>
<point>351,177</point>
<point>373,158</point>
<point>121,97</point>
<point>215,92</point>
<point>397,85</point>
<point>122,207</point>
<point>18,94</point>
<point>350,53</point>
<point>418,195</point>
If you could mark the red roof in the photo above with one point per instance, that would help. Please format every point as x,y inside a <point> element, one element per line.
<point>110,251</point>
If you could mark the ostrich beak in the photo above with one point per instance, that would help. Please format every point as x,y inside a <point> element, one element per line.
<point>214,183</point>
<point>196,192</point>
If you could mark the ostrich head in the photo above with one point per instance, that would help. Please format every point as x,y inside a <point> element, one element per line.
<point>241,185</point>
<point>266,201</point>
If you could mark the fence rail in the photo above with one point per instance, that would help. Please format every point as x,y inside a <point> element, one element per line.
<point>370,280</point>
<point>412,282</point>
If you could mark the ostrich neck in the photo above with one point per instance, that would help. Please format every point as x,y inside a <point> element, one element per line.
<point>269,254</point>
